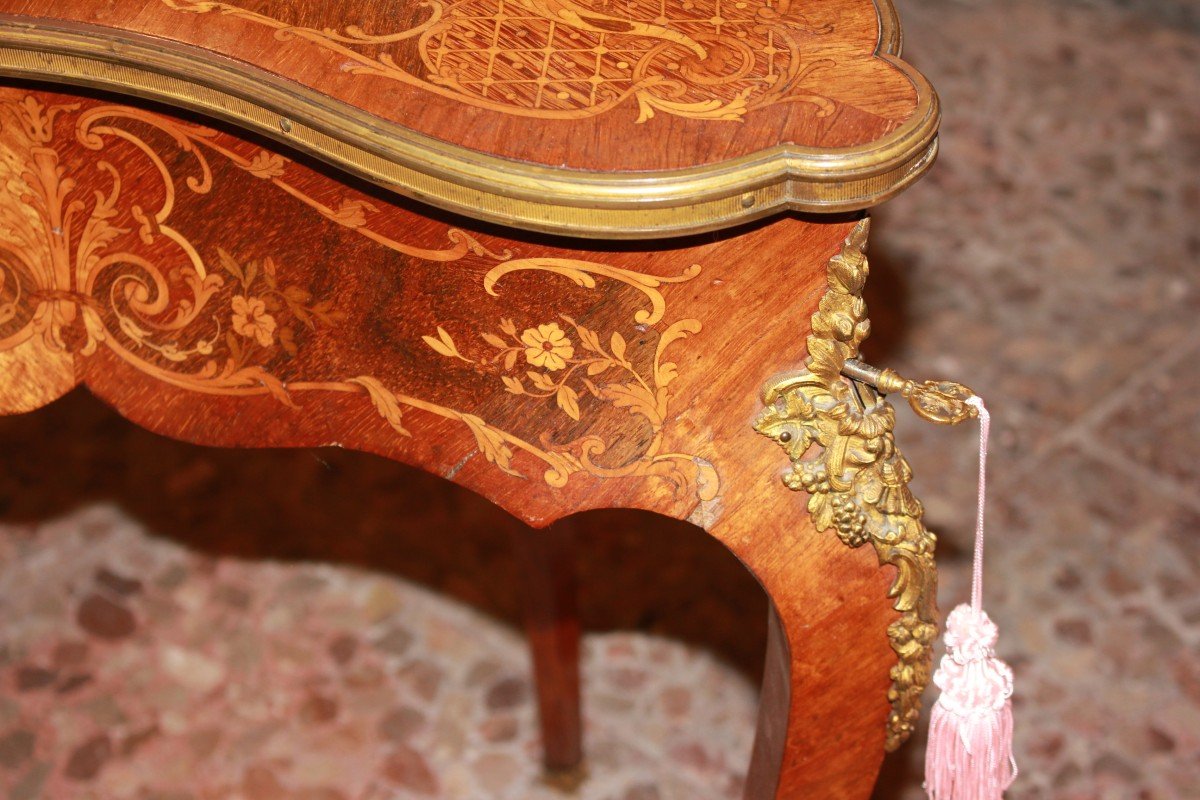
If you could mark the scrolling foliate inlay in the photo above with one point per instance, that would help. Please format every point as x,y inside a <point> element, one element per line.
<point>81,272</point>
<point>572,59</point>
<point>563,364</point>
<point>845,458</point>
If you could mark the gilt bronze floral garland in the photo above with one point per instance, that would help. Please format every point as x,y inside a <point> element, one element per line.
<point>855,477</point>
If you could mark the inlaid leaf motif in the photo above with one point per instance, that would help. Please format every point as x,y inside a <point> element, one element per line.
<point>541,380</point>
<point>287,340</point>
<point>251,272</point>
<point>132,329</point>
<point>494,340</point>
<point>568,400</point>
<point>512,384</point>
<point>230,265</point>
<point>637,398</point>
<point>666,372</point>
<point>297,295</point>
<point>617,345</point>
<point>298,302</point>
<point>297,299</point>
<point>385,402</point>
<point>257,376</point>
<point>235,347</point>
<point>587,337</point>
<point>491,443</point>
<point>201,288</point>
<point>266,165</point>
<point>324,312</point>
<point>352,213</point>
<point>96,331</point>
<point>99,233</point>
<point>445,345</point>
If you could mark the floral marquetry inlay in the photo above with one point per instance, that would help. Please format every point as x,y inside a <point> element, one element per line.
<point>570,59</point>
<point>547,362</point>
<point>85,269</point>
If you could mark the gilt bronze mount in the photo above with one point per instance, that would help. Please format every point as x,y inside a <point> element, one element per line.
<point>838,431</point>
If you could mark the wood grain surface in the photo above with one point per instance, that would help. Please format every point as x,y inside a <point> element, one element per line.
<point>217,291</point>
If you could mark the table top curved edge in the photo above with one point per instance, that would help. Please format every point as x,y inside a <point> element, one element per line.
<point>496,189</point>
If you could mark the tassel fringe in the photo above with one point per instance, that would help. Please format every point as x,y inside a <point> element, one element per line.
<point>969,755</point>
<point>970,751</point>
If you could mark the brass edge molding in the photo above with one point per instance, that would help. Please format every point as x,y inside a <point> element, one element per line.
<point>855,477</point>
<point>509,192</point>
<point>891,34</point>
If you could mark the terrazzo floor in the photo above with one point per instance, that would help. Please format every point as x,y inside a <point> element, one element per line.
<point>188,623</point>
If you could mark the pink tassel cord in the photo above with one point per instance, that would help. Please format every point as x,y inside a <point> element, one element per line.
<point>970,750</point>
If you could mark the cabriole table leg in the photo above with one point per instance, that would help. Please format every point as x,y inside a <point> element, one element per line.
<point>551,587</point>
<point>822,716</point>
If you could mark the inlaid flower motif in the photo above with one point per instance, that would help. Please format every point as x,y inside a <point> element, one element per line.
<point>546,346</point>
<point>250,319</point>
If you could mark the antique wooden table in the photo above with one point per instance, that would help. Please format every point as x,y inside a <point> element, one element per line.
<point>551,250</point>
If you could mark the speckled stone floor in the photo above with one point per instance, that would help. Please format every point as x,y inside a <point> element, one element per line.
<point>179,623</point>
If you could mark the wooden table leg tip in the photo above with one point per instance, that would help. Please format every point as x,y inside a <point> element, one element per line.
<point>565,779</point>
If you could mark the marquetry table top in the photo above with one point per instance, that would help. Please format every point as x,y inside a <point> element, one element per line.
<point>625,118</point>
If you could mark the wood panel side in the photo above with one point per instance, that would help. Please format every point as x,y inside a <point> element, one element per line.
<point>216,291</point>
<point>221,293</point>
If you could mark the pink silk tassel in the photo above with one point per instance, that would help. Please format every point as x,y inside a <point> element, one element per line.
<point>970,750</point>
